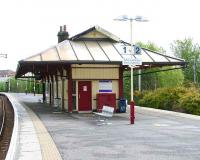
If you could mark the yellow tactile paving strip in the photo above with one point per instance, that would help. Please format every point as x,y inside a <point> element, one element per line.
<point>48,147</point>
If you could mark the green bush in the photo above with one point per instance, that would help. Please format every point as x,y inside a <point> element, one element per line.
<point>165,98</point>
<point>180,99</point>
<point>137,96</point>
<point>190,102</point>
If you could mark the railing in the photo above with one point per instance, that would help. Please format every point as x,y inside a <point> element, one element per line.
<point>2,116</point>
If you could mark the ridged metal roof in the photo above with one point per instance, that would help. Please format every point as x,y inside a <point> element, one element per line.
<point>96,51</point>
<point>94,46</point>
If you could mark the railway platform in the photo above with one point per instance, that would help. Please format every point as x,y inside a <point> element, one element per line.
<point>46,133</point>
<point>30,138</point>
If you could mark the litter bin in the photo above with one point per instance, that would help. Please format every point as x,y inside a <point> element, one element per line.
<point>122,105</point>
<point>57,103</point>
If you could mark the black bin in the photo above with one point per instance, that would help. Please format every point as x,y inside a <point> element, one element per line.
<point>122,105</point>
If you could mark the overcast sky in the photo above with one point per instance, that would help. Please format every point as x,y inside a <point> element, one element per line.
<point>28,27</point>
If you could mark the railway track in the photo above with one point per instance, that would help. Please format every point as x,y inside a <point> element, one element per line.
<point>2,116</point>
<point>6,125</point>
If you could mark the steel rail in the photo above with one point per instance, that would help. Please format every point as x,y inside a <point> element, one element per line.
<point>3,117</point>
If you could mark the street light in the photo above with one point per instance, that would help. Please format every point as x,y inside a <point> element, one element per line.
<point>127,18</point>
<point>131,19</point>
<point>3,55</point>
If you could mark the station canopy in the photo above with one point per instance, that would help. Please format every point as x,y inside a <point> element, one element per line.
<point>93,46</point>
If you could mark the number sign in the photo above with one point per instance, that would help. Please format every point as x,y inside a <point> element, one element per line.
<point>137,50</point>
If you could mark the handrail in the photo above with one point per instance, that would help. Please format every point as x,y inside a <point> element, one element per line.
<point>3,117</point>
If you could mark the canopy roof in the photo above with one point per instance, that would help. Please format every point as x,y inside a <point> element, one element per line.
<point>93,46</point>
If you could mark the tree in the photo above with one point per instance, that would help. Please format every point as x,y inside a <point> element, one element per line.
<point>189,51</point>
<point>152,46</point>
<point>155,79</point>
<point>171,78</point>
<point>160,79</point>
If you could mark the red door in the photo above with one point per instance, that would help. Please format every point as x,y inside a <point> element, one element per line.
<point>84,96</point>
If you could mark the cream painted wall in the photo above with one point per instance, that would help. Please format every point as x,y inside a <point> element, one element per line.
<point>95,65</point>
<point>89,72</point>
<point>65,95</point>
<point>59,89</point>
<point>95,90</point>
<point>77,95</point>
<point>92,71</point>
<point>65,91</point>
<point>94,34</point>
<point>47,92</point>
<point>95,73</point>
<point>54,84</point>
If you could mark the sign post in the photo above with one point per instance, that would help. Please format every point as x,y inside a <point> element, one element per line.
<point>132,60</point>
<point>137,50</point>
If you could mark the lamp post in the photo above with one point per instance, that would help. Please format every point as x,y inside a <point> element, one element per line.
<point>131,19</point>
<point>3,55</point>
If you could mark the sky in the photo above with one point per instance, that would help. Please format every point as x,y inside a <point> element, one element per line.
<point>28,27</point>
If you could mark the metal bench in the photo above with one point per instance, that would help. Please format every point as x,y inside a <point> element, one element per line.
<point>107,112</point>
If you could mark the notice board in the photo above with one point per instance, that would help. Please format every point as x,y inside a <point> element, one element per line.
<point>105,86</point>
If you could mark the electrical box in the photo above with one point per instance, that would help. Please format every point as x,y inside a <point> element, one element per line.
<point>107,99</point>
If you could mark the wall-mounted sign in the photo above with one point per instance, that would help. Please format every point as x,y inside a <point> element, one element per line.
<point>105,86</point>
<point>85,88</point>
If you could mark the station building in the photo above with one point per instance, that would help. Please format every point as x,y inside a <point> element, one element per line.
<point>84,72</point>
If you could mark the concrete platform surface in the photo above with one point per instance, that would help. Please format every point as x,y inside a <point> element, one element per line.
<point>155,135</point>
<point>33,141</point>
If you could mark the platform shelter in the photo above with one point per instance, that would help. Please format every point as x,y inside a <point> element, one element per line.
<point>84,72</point>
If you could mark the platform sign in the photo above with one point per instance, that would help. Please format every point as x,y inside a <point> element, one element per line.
<point>105,86</point>
<point>126,50</point>
<point>128,60</point>
<point>138,59</point>
<point>132,61</point>
<point>137,50</point>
